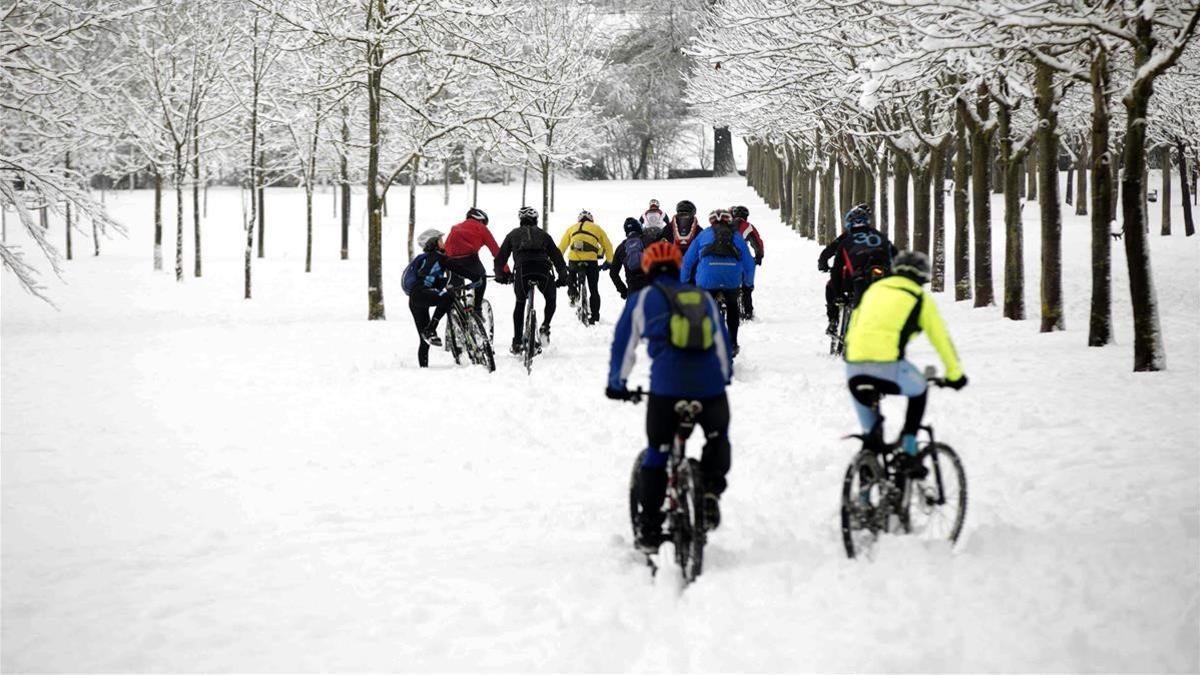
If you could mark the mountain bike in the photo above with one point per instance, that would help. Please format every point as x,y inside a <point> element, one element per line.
<point>856,285</point>
<point>468,332</point>
<point>684,502</point>
<point>882,496</point>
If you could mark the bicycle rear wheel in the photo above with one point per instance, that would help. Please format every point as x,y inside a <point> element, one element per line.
<point>865,507</point>
<point>481,345</point>
<point>583,307</point>
<point>454,336</point>
<point>530,337</point>
<point>937,504</point>
<point>837,345</point>
<point>687,521</point>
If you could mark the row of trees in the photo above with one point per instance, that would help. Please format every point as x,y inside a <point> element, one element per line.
<point>849,101</point>
<point>182,94</point>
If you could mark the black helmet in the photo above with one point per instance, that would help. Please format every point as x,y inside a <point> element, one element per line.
<point>527,215</point>
<point>477,214</point>
<point>632,226</point>
<point>859,215</point>
<point>685,207</point>
<point>912,264</point>
<point>586,216</point>
<point>740,212</point>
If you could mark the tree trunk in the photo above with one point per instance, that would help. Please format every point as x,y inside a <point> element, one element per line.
<point>981,209</point>
<point>1164,164</point>
<point>546,193</point>
<point>1051,208</point>
<point>524,183</point>
<point>1100,320</point>
<point>723,161</point>
<point>920,234</point>
<point>196,269</point>
<point>158,228</point>
<point>345,184</point>
<point>474,178</point>
<point>900,190</point>
<point>882,214</point>
<point>1081,180</point>
<point>375,306</point>
<point>67,165</point>
<point>936,172</point>
<point>1189,228</point>
<point>1069,197</point>
<point>179,173</point>
<point>1031,174</point>
<point>446,183</point>
<point>1014,254</point>
<point>553,186</point>
<point>1148,353</point>
<point>260,176</point>
<point>962,219</point>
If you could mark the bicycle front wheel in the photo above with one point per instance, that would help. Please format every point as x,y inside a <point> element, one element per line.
<point>635,504</point>
<point>530,340</point>
<point>937,504</point>
<point>865,507</point>
<point>454,336</point>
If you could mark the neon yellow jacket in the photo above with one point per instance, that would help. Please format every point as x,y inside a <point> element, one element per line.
<point>586,241</point>
<point>891,312</point>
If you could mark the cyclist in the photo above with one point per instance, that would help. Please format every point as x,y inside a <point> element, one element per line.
<point>628,257</point>
<point>677,373</point>
<point>683,228</point>
<point>427,289</point>
<point>654,216</point>
<point>891,312</point>
<point>857,248</point>
<point>587,243</point>
<point>462,250</point>
<point>754,241</point>
<point>534,253</point>
<point>720,262</point>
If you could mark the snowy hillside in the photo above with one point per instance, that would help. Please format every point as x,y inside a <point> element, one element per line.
<point>195,482</point>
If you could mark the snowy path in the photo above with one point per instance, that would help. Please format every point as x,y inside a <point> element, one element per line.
<point>196,483</point>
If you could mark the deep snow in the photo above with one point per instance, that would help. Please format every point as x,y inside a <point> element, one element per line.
<point>194,482</point>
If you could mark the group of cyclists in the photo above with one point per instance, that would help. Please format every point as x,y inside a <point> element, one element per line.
<point>679,279</point>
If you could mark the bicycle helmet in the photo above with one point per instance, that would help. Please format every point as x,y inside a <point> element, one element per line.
<point>586,216</point>
<point>713,216</point>
<point>859,215</point>
<point>632,226</point>
<point>527,214</point>
<point>477,214</point>
<point>663,256</point>
<point>685,207</point>
<point>654,205</point>
<point>740,212</point>
<point>429,239</point>
<point>912,264</point>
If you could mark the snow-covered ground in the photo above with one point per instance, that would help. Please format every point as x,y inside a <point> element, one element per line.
<point>195,482</point>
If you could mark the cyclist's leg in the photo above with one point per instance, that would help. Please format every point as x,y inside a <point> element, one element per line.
<point>550,293</point>
<point>882,376</point>
<point>420,315</point>
<point>733,315</point>
<point>748,300</point>
<point>717,456</point>
<point>518,309</point>
<point>661,423</point>
<point>913,385</point>
<point>592,272</point>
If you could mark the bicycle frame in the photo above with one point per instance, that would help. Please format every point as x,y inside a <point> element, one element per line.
<point>687,412</point>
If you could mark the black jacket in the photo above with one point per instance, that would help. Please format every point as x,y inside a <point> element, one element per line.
<point>635,278</point>
<point>530,246</point>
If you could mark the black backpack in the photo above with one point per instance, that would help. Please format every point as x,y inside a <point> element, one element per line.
<point>722,244</point>
<point>527,240</point>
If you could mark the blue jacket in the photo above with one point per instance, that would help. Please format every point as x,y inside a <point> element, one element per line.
<point>715,273</point>
<point>673,372</point>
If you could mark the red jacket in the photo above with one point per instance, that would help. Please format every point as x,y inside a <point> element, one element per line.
<point>752,237</point>
<point>466,238</point>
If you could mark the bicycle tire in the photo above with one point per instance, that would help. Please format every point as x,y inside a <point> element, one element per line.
<point>583,306</point>
<point>865,508</point>
<point>481,346</point>
<point>454,333</point>
<point>837,345</point>
<point>938,503</point>
<point>687,527</point>
<point>529,341</point>
<point>489,319</point>
<point>635,504</point>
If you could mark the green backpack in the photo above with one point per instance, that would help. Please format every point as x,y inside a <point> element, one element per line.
<point>689,326</point>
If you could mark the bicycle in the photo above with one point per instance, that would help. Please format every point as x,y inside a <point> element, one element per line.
<point>881,497</point>
<point>469,333</point>
<point>848,300</point>
<point>579,291</point>
<point>684,501</point>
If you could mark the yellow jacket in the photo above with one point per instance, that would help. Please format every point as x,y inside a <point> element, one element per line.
<point>586,242</point>
<point>893,310</point>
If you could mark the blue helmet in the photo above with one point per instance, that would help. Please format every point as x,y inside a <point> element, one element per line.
<point>859,215</point>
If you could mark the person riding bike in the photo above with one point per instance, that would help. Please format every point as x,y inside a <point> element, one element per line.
<point>683,228</point>
<point>654,220</point>
<point>684,366</point>
<point>754,241</point>
<point>534,253</point>
<point>425,282</point>
<point>628,257</point>
<point>584,243</point>
<point>719,261</point>
<point>462,250</point>
<point>857,248</point>
<point>890,313</point>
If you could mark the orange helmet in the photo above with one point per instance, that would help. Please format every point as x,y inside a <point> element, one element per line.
<point>661,252</point>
